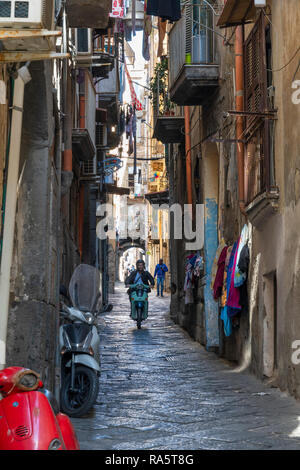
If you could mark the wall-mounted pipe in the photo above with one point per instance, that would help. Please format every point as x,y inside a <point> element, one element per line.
<point>188,157</point>
<point>10,204</point>
<point>81,219</point>
<point>81,188</point>
<point>239,105</point>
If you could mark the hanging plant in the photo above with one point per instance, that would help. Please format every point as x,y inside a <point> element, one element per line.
<point>159,87</point>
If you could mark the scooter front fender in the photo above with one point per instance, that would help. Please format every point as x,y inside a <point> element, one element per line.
<point>27,422</point>
<point>85,360</point>
<point>67,431</point>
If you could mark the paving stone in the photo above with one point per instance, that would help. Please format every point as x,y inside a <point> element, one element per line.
<point>160,390</point>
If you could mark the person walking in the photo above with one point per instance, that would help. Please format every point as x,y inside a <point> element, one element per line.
<point>160,272</point>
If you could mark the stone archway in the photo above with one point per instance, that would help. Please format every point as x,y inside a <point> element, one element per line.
<point>125,245</point>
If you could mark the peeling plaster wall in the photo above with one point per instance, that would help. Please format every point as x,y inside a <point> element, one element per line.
<point>32,327</point>
<point>274,275</point>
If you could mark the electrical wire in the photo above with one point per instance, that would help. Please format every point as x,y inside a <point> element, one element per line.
<point>286,65</point>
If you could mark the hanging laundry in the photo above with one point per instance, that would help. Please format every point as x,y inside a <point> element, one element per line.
<point>218,284</point>
<point>189,280</point>
<point>224,290</point>
<point>227,321</point>
<point>233,294</point>
<point>133,17</point>
<point>215,263</point>
<point>198,267</point>
<point>122,122</point>
<point>162,25</point>
<point>134,100</point>
<point>244,267</point>
<point>239,277</point>
<point>243,263</point>
<point>166,9</point>
<point>146,33</point>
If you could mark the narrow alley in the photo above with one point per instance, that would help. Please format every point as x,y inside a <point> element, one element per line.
<point>152,144</point>
<point>161,390</point>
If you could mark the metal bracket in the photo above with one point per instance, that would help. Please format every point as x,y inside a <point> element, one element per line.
<point>26,33</point>
<point>267,115</point>
<point>25,56</point>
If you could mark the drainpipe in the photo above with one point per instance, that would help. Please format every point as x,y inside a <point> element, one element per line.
<point>11,203</point>
<point>81,219</point>
<point>188,155</point>
<point>81,187</point>
<point>239,104</point>
<point>67,153</point>
<point>67,102</point>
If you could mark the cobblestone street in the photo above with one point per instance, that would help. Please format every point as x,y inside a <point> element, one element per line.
<point>161,390</point>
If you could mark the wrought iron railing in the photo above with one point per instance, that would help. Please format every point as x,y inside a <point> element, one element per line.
<point>192,38</point>
<point>162,104</point>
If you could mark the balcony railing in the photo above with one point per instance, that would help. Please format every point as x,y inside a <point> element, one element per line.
<point>168,117</point>
<point>193,66</point>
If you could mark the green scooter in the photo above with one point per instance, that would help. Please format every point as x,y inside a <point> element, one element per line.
<point>139,302</point>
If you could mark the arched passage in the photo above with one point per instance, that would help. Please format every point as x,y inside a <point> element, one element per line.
<point>128,252</point>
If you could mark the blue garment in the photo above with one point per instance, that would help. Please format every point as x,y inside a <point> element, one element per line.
<point>227,322</point>
<point>138,279</point>
<point>160,270</point>
<point>160,282</point>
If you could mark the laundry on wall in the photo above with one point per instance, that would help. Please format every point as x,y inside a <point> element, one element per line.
<point>229,280</point>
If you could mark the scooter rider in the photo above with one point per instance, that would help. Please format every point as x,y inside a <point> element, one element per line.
<point>139,275</point>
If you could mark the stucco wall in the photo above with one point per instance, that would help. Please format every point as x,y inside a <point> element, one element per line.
<point>32,326</point>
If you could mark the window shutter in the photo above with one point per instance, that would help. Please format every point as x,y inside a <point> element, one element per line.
<point>255,69</point>
<point>188,28</point>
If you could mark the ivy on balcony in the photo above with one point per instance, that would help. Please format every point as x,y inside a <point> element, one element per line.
<point>159,85</point>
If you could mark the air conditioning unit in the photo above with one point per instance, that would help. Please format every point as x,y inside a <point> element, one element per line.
<point>101,135</point>
<point>84,46</point>
<point>84,43</point>
<point>34,14</point>
<point>89,167</point>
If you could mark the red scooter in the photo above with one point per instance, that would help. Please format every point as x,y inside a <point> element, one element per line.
<point>29,415</point>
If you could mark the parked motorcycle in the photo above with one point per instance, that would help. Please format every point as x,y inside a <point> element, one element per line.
<point>29,414</point>
<point>80,343</point>
<point>139,302</point>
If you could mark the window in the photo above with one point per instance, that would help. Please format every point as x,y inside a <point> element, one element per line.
<point>259,128</point>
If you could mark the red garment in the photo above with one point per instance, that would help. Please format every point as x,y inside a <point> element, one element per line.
<point>218,284</point>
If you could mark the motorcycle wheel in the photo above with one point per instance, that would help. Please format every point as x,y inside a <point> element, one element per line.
<point>77,403</point>
<point>139,318</point>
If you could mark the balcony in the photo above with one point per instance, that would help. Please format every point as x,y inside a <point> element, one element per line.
<point>108,99</point>
<point>160,197</point>
<point>107,49</point>
<point>194,72</point>
<point>167,116</point>
<point>91,14</point>
<point>82,145</point>
<point>97,52</point>
<point>168,121</point>
<point>108,90</point>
